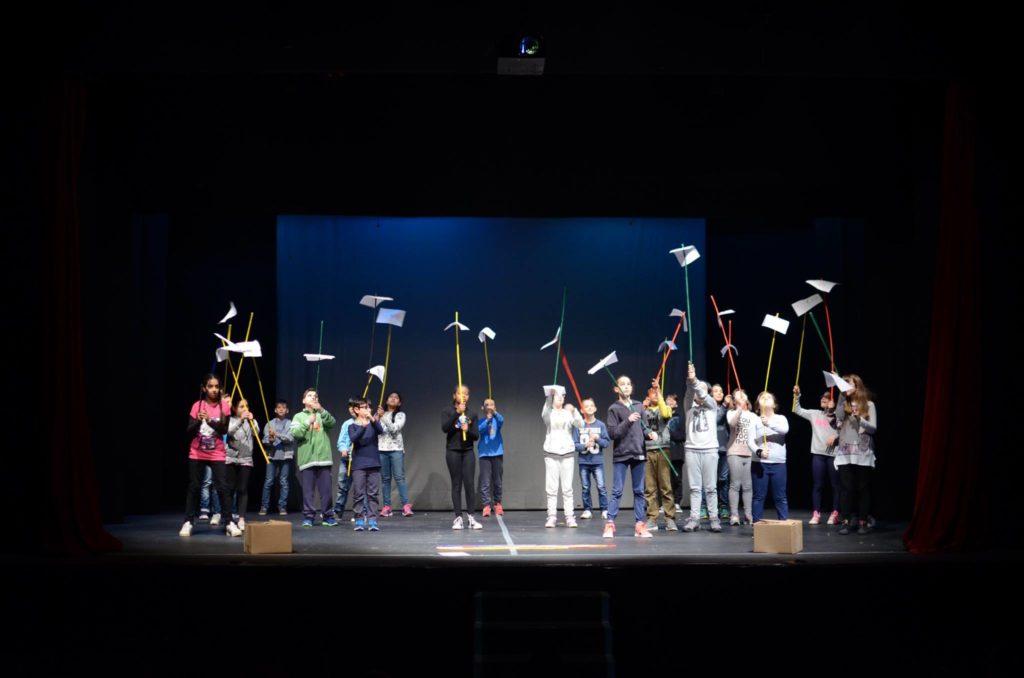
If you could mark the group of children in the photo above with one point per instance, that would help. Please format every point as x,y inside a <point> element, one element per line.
<point>727,448</point>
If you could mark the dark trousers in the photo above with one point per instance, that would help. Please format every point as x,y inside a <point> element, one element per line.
<point>195,483</point>
<point>855,482</point>
<point>461,466</point>
<point>238,481</point>
<point>316,479</point>
<point>366,487</point>
<point>491,469</point>
<point>822,467</point>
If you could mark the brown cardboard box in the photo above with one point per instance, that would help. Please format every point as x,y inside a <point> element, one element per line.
<point>272,536</point>
<point>778,536</point>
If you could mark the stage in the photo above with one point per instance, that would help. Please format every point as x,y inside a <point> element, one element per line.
<point>518,537</point>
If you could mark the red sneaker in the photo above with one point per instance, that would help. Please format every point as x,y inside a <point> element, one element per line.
<point>498,510</point>
<point>407,510</point>
<point>385,512</point>
<point>487,511</point>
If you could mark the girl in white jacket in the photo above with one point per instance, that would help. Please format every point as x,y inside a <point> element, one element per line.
<point>559,454</point>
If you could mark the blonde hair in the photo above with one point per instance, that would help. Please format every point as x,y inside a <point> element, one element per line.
<point>861,397</point>
<point>767,394</point>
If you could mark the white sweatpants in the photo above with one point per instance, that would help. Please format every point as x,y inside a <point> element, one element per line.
<point>555,471</point>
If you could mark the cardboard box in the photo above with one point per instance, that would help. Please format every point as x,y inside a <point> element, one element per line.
<point>272,536</point>
<point>778,536</point>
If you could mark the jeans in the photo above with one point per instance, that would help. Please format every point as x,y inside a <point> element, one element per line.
<point>280,470</point>
<point>635,467</point>
<point>491,472</point>
<point>762,475</point>
<point>196,471</point>
<point>204,492</point>
<point>822,466</point>
<point>392,464</point>
<point>597,472</point>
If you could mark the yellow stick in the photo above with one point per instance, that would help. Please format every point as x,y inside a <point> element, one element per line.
<point>800,357</point>
<point>241,361</point>
<point>260,382</point>
<point>367,389</point>
<point>225,382</point>
<point>387,359</point>
<point>458,365</point>
<point>487,361</point>
<point>770,354</point>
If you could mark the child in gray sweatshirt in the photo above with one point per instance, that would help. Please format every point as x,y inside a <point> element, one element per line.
<point>238,458</point>
<point>701,450</point>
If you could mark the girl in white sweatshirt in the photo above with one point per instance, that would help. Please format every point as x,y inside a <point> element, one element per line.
<point>559,454</point>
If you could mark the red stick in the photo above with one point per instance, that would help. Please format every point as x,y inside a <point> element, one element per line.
<point>728,375</point>
<point>727,341</point>
<point>565,364</point>
<point>667,351</point>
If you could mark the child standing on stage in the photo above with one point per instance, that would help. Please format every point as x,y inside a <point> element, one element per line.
<point>207,424</point>
<point>309,429</point>
<point>742,424</point>
<point>701,450</point>
<point>858,422</point>
<point>822,454</point>
<point>590,441</point>
<point>677,434</point>
<point>491,449</point>
<point>559,420</point>
<point>345,448</point>
<point>238,459</point>
<point>629,456</point>
<point>658,471</point>
<point>768,467</point>
<point>364,433</point>
<point>392,455</point>
<point>278,435</point>
<point>456,421</point>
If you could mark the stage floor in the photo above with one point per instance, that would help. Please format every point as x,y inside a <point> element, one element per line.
<point>518,537</point>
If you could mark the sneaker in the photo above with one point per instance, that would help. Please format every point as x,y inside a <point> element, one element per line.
<point>215,519</point>
<point>692,525</point>
<point>282,512</point>
<point>360,525</point>
<point>863,528</point>
<point>486,513</point>
<point>586,515</point>
<point>329,522</point>
<point>833,518</point>
<point>550,522</point>
<point>385,512</point>
<point>871,522</point>
<point>640,530</point>
<point>498,510</point>
<point>678,508</point>
<point>716,525</point>
<point>473,525</point>
<point>609,530</point>
<point>749,519</point>
<point>670,525</point>
<point>307,522</point>
<point>457,523</point>
<point>734,521</point>
<point>723,514</point>
<point>232,530</point>
<point>263,512</point>
<point>406,510</point>
<point>661,510</point>
<point>815,518</point>
<point>204,516</point>
<point>570,521</point>
<point>241,524</point>
<point>604,515</point>
<point>652,524</point>
<point>845,527</point>
<point>186,529</point>
<point>373,527</point>
<point>703,512</point>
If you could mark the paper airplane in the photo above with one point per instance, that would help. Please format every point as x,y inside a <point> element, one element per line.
<point>667,343</point>
<point>833,379</point>
<point>730,347</point>
<point>391,316</point>
<point>804,305</point>
<point>486,332</point>
<point>373,301</point>
<point>317,357</point>
<point>609,359</point>
<point>777,324</point>
<point>554,389</point>
<point>554,341</point>
<point>727,311</point>
<point>676,313</point>
<point>822,285</point>
<point>232,312</point>
<point>460,326</point>
<point>686,255</point>
<point>249,349</point>
<point>377,371</point>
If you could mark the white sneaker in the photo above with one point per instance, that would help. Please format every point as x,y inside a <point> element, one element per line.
<point>678,508</point>
<point>570,521</point>
<point>473,525</point>
<point>232,530</point>
<point>604,515</point>
<point>186,529</point>
<point>661,511</point>
<point>550,522</point>
<point>241,524</point>
<point>457,523</point>
<point>215,519</point>
<point>586,515</point>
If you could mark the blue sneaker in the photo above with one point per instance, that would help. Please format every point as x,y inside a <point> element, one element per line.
<point>360,525</point>
<point>307,522</point>
<point>329,522</point>
<point>373,525</point>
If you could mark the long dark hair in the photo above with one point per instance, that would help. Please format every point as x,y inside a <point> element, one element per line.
<point>391,393</point>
